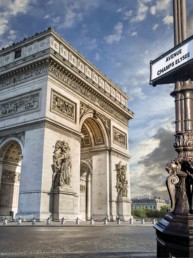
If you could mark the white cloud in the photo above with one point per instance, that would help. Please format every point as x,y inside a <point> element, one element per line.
<point>11,8</point>
<point>116,37</point>
<point>12,35</point>
<point>161,5</point>
<point>47,16</point>
<point>136,92</point>
<point>74,11</point>
<point>127,14</point>
<point>168,19</point>
<point>141,12</point>
<point>18,6</point>
<point>153,10</point>
<point>155,26</point>
<point>135,33</point>
<point>70,18</point>
<point>3,24</point>
<point>149,160</point>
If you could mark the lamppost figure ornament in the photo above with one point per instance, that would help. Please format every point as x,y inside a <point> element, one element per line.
<point>61,165</point>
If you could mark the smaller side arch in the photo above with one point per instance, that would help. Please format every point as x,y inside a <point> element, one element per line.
<point>11,150</point>
<point>5,143</point>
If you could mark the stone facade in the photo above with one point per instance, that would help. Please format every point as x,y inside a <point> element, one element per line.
<point>63,132</point>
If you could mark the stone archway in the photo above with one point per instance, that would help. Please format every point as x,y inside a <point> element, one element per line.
<point>93,172</point>
<point>10,178</point>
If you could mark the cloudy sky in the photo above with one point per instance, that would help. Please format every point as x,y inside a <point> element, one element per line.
<point>119,37</point>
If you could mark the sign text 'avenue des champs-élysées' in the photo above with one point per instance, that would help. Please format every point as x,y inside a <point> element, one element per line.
<point>174,65</point>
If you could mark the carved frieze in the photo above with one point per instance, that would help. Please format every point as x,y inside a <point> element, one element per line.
<point>122,182</point>
<point>119,137</point>
<point>10,176</point>
<point>84,109</point>
<point>22,77</point>
<point>63,106</point>
<point>85,92</point>
<point>20,104</point>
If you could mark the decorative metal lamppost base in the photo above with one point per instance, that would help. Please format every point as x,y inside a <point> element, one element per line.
<point>175,236</point>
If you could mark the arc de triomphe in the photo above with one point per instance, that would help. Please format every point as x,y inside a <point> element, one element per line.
<point>63,134</point>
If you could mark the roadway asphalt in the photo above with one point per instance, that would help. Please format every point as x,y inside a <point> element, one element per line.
<point>77,241</point>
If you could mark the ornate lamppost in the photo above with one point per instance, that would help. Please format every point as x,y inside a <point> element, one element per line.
<point>175,231</point>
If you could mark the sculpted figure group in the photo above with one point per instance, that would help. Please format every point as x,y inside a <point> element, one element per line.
<point>61,165</point>
<point>122,182</point>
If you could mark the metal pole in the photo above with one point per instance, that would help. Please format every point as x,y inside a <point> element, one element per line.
<point>174,231</point>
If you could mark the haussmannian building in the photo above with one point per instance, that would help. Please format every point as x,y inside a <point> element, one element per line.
<point>148,202</point>
<point>63,134</point>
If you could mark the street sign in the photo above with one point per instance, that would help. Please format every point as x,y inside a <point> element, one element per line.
<point>175,65</point>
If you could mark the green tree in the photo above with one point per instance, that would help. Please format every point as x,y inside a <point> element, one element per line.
<point>139,213</point>
<point>150,213</point>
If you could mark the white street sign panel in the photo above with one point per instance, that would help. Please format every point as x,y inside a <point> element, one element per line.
<point>174,59</point>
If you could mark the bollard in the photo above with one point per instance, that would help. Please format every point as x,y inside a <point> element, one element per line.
<point>62,221</point>
<point>105,221</point>
<point>153,221</point>
<point>131,221</point>
<point>142,221</point>
<point>33,221</point>
<point>19,221</point>
<point>91,221</point>
<point>118,221</point>
<point>77,221</point>
<point>48,221</point>
<point>5,221</point>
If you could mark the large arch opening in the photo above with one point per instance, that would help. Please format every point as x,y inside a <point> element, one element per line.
<point>10,178</point>
<point>94,141</point>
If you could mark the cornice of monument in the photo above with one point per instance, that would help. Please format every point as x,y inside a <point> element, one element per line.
<point>65,74</point>
<point>74,81</point>
<point>40,123</point>
<point>49,43</point>
<point>51,31</point>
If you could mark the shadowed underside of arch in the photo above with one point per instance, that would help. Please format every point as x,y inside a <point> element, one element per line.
<point>92,134</point>
<point>10,179</point>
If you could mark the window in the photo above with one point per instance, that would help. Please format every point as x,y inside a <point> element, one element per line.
<point>18,53</point>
